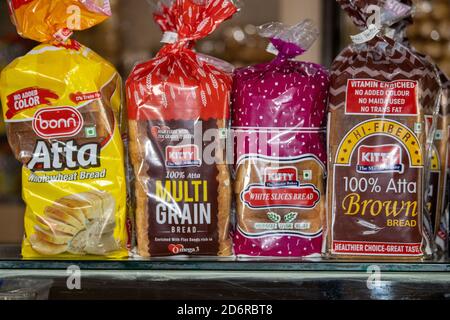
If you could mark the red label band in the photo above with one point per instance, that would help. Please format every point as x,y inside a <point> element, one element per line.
<point>259,197</point>
<point>373,97</point>
<point>182,109</point>
<point>27,99</point>
<point>377,248</point>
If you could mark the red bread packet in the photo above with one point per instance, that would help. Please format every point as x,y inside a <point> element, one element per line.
<point>176,100</point>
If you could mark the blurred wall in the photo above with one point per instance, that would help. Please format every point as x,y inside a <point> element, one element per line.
<point>11,224</point>
<point>293,11</point>
<point>140,36</point>
<point>11,215</point>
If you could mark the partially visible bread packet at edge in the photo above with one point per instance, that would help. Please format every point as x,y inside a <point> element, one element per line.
<point>438,131</point>
<point>441,169</point>
<point>62,108</point>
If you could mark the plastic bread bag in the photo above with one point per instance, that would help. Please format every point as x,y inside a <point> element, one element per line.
<point>279,120</point>
<point>440,166</point>
<point>62,103</point>
<point>179,106</point>
<point>17,289</point>
<point>380,93</point>
<point>437,126</point>
<point>438,130</point>
<point>442,236</point>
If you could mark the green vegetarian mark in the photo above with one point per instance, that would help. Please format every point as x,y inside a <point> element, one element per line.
<point>290,217</point>
<point>274,217</point>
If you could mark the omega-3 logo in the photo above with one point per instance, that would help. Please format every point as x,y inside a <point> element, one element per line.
<point>379,159</point>
<point>285,176</point>
<point>57,122</point>
<point>175,248</point>
<point>182,156</point>
<point>180,249</point>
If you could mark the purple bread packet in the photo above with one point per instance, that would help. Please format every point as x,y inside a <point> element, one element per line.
<point>279,116</point>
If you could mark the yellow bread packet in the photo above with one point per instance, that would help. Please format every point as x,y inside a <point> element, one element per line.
<point>62,105</point>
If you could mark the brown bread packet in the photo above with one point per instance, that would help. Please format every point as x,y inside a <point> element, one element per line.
<point>380,93</point>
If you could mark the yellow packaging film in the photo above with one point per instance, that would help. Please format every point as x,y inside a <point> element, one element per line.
<point>62,109</point>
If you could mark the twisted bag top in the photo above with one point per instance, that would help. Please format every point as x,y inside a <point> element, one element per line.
<point>178,80</point>
<point>284,92</point>
<point>382,54</point>
<point>45,20</point>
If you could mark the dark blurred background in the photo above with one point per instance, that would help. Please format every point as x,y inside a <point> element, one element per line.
<point>131,36</point>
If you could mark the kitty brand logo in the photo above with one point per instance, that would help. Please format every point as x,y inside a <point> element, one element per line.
<point>285,176</point>
<point>379,159</point>
<point>57,122</point>
<point>182,156</point>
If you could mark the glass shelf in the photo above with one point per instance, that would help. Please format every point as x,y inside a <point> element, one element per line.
<point>10,259</point>
<point>229,279</point>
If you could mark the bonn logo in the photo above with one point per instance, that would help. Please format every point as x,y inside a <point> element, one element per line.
<point>380,159</point>
<point>57,122</point>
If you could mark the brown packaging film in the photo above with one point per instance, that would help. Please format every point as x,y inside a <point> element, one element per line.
<point>380,93</point>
